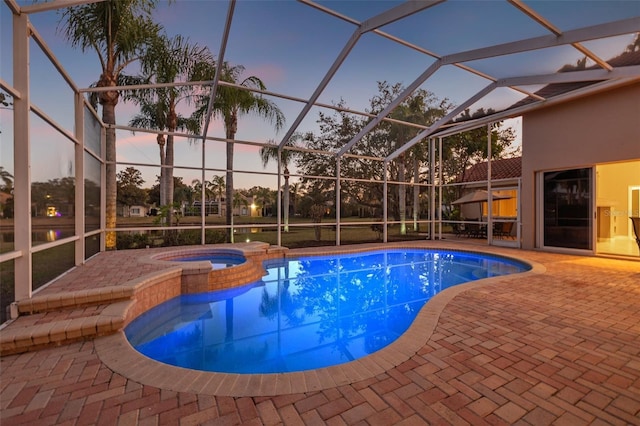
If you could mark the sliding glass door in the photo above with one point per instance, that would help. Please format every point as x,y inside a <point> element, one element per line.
<point>567,209</point>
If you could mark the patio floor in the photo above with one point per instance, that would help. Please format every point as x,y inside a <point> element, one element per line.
<point>561,346</point>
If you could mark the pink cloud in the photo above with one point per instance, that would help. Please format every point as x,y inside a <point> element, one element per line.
<point>139,139</point>
<point>270,74</point>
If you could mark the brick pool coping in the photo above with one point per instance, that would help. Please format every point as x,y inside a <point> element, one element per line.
<point>116,352</point>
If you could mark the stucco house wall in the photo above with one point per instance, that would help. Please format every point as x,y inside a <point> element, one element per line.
<point>601,128</point>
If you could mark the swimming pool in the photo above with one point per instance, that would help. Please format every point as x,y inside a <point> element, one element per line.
<point>306,313</point>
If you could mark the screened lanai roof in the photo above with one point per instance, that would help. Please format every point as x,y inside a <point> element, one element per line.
<point>494,55</point>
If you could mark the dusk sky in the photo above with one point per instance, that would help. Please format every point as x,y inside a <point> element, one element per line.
<point>290,46</point>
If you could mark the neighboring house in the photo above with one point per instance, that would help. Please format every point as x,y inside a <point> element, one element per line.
<point>247,207</point>
<point>505,176</point>
<point>138,211</point>
<point>507,170</point>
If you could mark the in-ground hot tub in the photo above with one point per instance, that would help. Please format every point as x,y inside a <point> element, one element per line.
<point>215,268</point>
<point>219,260</point>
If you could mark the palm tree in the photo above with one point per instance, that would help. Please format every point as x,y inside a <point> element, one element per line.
<point>7,181</point>
<point>264,195</point>
<point>197,189</point>
<point>168,60</point>
<point>150,117</point>
<point>270,152</point>
<point>217,185</point>
<point>231,103</point>
<point>296,193</point>
<point>119,32</point>
<point>7,188</point>
<point>239,200</point>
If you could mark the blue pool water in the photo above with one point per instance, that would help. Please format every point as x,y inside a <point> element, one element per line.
<point>308,312</point>
<point>218,261</point>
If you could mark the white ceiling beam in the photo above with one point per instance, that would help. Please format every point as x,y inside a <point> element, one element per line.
<point>397,101</point>
<point>330,11</point>
<point>610,29</point>
<point>427,132</point>
<point>398,12</point>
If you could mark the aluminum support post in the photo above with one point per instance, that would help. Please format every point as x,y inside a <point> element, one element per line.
<point>79,176</point>
<point>22,159</point>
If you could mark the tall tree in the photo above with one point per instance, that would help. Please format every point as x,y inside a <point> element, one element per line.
<point>420,108</point>
<point>335,131</point>
<point>182,193</point>
<point>230,104</point>
<point>208,192</point>
<point>6,178</point>
<point>7,181</point>
<point>169,60</point>
<point>264,196</point>
<point>119,31</point>
<point>296,193</point>
<point>130,190</point>
<point>270,152</point>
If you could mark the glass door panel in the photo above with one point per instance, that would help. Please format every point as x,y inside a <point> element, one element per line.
<point>617,200</point>
<point>568,209</point>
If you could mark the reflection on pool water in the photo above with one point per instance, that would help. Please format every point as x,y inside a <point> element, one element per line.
<point>308,312</point>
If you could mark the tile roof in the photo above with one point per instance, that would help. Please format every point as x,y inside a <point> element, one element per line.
<point>504,168</point>
<point>549,91</point>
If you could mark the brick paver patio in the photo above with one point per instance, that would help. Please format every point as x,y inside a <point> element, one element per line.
<point>561,347</point>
